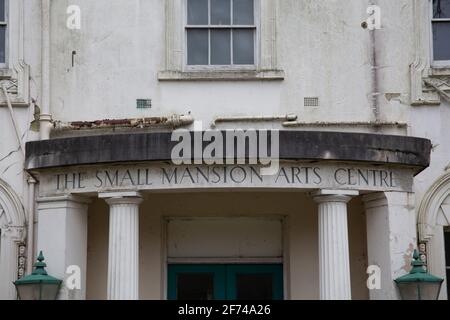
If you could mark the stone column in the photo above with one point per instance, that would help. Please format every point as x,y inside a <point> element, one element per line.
<point>334,260</point>
<point>123,254</point>
<point>62,237</point>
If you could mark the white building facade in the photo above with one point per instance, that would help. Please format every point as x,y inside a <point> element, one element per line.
<point>352,96</point>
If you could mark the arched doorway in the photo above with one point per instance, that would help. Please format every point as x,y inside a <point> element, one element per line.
<point>434,223</point>
<point>12,236</point>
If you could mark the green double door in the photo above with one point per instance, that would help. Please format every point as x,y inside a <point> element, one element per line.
<point>225,282</point>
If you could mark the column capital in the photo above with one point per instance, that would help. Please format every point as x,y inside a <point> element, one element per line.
<point>326,195</point>
<point>126,197</point>
<point>64,201</point>
<point>374,200</point>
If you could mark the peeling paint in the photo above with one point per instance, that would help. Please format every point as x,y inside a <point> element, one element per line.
<point>407,257</point>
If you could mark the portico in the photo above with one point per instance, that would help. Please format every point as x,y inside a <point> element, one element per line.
<point>125,223</point>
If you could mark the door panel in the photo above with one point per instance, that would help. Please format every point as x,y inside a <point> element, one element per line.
<point>181,277</point>
<point>225,282</point>
<point>255,282</point>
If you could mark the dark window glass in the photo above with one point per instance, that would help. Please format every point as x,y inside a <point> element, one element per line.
<point>448,285</point>
<point>223,45</point>
<point>2,44</point>
<point>197,43</point>
<point>197,12</point>
<point>2,10</point>
<point>220,12</point>
<point>198,286</point>
<point>441,29</point>
<point>220,47</point>
<point>441,40</point>
<point>447,258</point>
<point>243,12</point>
<point>254,287</point>
<point>447,247</point>
<point>441,9</point>
<point>243,46</point>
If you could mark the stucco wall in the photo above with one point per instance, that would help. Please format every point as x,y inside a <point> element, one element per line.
<point>322,48</point>
<point>301,238</point>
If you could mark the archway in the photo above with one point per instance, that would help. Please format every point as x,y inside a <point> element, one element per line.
<point>434,216</point>
<point>12,236</point>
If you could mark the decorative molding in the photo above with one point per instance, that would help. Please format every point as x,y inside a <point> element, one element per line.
<point>441,84</point>
<point>16,81</point>
<point>428,84</point>
<point>268,35</point>
<point>16,76</point>
<point>221,75</point>
<point>431,205</point>
<point>21,260</point>
<point>174,35</point>
<point>12,225</point>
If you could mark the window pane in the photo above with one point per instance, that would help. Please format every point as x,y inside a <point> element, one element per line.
<point>197,11</point>
<point>441,9</point>
<point>243,46</point>
<point>448,283</point>
<point>197,45</point>
<point>441,40</point>
<point>221,12</point>
<point>2,44</point>
<point>195,286</point>
<point>220,47</point>
<point>447,258</point>
<point>2,10</point>
<point>447,248</point>
<point>243,12</point>
<point>254,287</point>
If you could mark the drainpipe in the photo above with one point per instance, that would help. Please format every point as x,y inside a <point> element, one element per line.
<point>374,124</point>
<point>374,70</point>
<point>288,117</point>
<point>45,118</point>
<point>30,230</point>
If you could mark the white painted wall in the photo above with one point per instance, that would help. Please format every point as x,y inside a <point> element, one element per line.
<point>225,237</point>
<point>323,50</point>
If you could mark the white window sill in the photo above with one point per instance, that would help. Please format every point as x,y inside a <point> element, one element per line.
<point>5,73</point>
<point>219,75</point>
<point>440,69</point>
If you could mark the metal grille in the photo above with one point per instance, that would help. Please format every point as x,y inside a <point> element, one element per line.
<point>144,103</point>
<point>311,102</point>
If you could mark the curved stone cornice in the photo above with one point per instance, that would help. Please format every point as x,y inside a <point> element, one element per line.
<point>294,145</point>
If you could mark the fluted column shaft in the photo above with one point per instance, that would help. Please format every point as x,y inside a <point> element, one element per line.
<point>123,254</point>
<point>334,260</point>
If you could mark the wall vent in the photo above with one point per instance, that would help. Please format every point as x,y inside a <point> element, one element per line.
<point>144,103</point>
<point>311,102</point>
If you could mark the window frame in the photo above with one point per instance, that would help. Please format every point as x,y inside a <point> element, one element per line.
<point>4,65</point>
<point>436,63</point>
<point>231,67</point>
